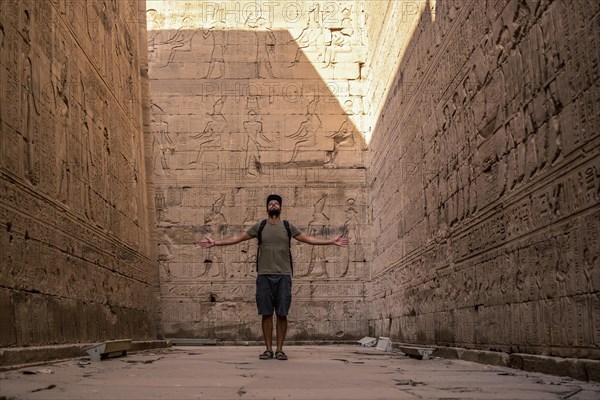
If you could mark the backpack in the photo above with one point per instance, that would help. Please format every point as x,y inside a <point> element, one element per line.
<point>259,237</point>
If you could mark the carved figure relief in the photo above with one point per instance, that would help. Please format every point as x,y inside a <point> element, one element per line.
<point>306,134</point>
<point>352,254</point>
<point>87,120</point>
<point>2,35</point>
<point>255,142</point>
<point>155,22</point>
<point>216,223</point>
<point>318,226</point>
<point>30,109</point>
<point>210,137</point>
<point>248,248</point>
<point>341,39</point>
<point>180,41</point>
<point>64,173</point>
<point>345,136</point>
<point>163,145</point>
<point>105,160</point>
<point>266,60</point>
<point>217,55</point>
<point>311,35</point>
<point>85,168</point>
<point>98,34</point>
<point>132,80</point>
<point>565,249</point>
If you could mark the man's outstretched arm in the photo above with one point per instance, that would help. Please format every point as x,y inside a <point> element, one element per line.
<point>320,241</point>
<point>207,242</point>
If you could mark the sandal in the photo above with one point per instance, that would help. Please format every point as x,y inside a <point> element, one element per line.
<point>267,355</point>
<point>280,355</point>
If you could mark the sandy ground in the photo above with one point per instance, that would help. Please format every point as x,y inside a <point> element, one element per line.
<point>312,372</point>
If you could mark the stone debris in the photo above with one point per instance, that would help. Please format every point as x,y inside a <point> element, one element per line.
<point>421,353</point>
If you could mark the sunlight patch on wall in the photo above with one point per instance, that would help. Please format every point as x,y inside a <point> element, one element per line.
<point>387,53</point>
<point>328,35</point>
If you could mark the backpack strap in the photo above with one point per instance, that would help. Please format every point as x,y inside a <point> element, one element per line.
<point>289,232</point>
<point>259,237</point>
<point>260,229</point>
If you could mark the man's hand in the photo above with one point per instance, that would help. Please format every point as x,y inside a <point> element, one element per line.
<point>207,243</point>
<point>340,241</point>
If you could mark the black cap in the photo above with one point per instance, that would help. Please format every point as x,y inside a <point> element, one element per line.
<point>274,197</point>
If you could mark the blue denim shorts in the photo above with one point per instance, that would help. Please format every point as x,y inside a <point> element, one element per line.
<point>273,293</point>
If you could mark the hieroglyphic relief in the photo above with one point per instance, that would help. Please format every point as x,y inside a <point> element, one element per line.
<point>130,95</point>
<point>179,41</point>
<point>256,141</point>
<point>266,47</point>
<point>267,123</point>
<point>352,257</point>
<point>318,226</point>
<point>61,101</point>
<point>2,73</point>
<point>210,137</point>
<point>88,116</point>
<point>162,144</point>
<point>57,173</point>
<point>155,24</point>
<point>248,248</point>
<point>345,137</point>
<point>591,255</point>
<point>501,113</point>
<point>266,60</point>
<point>306,134</point>
<point>29,100</point>
<point>218,41</point>
<point>216,224</point>
<point>311,35</point>
<point>341,39</point>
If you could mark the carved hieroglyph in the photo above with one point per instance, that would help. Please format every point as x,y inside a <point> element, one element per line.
<point>476,225</point>
<point>76,262</point>
<point>487,143</point>
<point>252,106</point>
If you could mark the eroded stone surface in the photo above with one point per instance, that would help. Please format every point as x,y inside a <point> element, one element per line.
<point>473,218</point>
<point>243,105</point>
<point>75,257</point>
<point>484,178</point>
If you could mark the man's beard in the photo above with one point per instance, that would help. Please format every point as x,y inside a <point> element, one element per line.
<point>274,212</point>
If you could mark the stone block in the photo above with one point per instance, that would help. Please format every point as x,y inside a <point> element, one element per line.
<point>422,353</point>
<point>549,365</point>
<point>113,348</point>
<point>384,344</point>
<point>367,341</point>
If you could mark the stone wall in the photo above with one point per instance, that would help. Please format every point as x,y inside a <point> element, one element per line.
<point>250,101</point>
<point>473,218</point>
<point>76,262</point>
<point>485,179</point>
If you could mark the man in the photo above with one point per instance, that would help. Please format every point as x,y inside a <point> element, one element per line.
<point>274,269</point>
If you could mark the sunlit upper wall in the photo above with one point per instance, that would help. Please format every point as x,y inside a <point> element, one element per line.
<point>330,34</point>
<point>391,26</point>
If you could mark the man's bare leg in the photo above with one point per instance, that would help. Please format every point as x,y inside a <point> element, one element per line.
<point>281,330</point>
<point>267,328</point>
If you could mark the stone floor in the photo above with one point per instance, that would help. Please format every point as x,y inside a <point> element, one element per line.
<point>312,372</point>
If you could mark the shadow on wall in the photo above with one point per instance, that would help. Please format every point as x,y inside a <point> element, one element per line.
<point>236,114</point>
<point>251,99</point>
<point>493,249</point>
<point>75,258</point>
